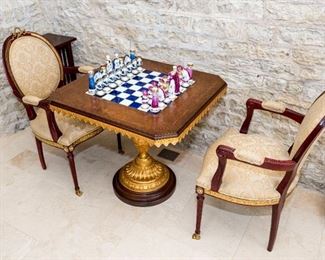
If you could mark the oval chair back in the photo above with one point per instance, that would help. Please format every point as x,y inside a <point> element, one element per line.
<point>32,64</point>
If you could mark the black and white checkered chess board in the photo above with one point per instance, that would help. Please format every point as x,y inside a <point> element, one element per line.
<point>130,93</point>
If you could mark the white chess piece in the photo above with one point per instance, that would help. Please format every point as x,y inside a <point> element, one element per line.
<point>185,76</point>
<point>109,65</point>
<point>171,89</point>
<point>116,62</point>
<point>127,59</point>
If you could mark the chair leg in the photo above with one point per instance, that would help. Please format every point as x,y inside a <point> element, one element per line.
<point>119,144</point>
<point>276,213</point>
<point>40,153</point>
<point>74,173</point>
<point>200,199</point>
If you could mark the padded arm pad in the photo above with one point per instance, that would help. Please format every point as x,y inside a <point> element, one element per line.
<point>252,158</point>
<point>85,69</point>
<point>274,106</point>
<point>31,100</point>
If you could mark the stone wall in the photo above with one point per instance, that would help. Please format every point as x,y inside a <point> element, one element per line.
<point>267,49</point>
<point>25,14</point>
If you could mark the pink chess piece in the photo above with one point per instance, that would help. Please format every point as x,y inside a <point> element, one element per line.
<point>155,100</point>
<point>176,78</point>
<point>155,96</point>
<point>145,98</point>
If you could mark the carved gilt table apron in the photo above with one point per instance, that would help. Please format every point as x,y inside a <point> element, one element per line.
<point>144,181</point>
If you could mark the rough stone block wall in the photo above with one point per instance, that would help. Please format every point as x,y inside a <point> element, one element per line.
<point>266,49</point>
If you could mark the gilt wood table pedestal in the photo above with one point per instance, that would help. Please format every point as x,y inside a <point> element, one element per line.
<point>144,181</point>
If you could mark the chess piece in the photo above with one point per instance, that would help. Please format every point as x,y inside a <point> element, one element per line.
<point>134,64</point>
<point>177,80</point>
<point>124,74</point>
<point>139,64</point>
<point>97,76</point>
<point>129,67</point>
<point>116,62</point>
<point>189,69</point>
<point>155,98</point>
<point>112,77</point>
<point>171,87</point>
<point>159,90</point>
<point>109,65</point>
<point>134,67</point>
<point>127,60</point>
<point>184,75</point>
<point>118,73</point>
<point>163,83</point>
<point>132,55</point>
<point>100,74</point>
<point>103,70</point>
<point>91,83</point>
<point>145,100</point>
<point>174,69</point>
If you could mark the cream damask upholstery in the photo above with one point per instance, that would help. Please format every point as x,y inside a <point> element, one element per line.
<point>85,69</point>
<point>245,176</point>
<point>241,180</point>
<point>31,100</point>
<point>71,129</point>
<point>274,106</point>
<point>311,119</point>
<point>36,68</point>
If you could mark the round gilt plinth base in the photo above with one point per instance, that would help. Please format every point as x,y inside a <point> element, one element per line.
<point>144,198</point>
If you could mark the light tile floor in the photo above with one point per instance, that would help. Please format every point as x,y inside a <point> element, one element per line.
<point>41,218</point>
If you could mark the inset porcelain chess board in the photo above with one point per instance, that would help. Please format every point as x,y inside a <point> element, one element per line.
<point>130,93</point>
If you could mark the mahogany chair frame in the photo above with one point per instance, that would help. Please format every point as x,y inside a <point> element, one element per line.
<point>225,153</point>
<point>45,104</point>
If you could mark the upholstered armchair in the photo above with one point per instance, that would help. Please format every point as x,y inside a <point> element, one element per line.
<point>34,70</point>
<point>255,170</point>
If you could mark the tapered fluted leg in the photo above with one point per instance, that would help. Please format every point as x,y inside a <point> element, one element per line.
<point>200,199</point>
<point>74,173</point>
<point>276,213</point>
<point>119,144</point>
<point>40,153</point>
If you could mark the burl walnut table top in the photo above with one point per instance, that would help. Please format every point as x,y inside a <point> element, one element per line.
<point>168,126</point>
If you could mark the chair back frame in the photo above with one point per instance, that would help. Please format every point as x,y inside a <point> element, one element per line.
<point>44,104</point>
<point>5,55</point>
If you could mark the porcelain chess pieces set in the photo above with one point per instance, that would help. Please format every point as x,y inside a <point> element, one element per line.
<point>114,73</point>
<point>123,80</point>
<point>161,93</point>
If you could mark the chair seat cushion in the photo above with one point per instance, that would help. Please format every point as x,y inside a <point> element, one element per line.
<point>72,130</point>
<point>241,180</point>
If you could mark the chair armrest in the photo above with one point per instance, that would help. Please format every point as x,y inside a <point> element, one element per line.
<point>270,106</point>
<point>45,104</point>
<point>31,100</point>
<point>225,152</point>
<point>84,69</point>
<point>79,69</point>
<point>274,106</point>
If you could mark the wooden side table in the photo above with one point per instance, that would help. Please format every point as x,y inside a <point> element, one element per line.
<point>63,45</point>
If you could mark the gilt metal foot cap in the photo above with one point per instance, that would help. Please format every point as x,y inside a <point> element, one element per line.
<point>196,236</point>
<point>79,193</point>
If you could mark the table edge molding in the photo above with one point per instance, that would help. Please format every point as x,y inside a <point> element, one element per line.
<point>133,135</point>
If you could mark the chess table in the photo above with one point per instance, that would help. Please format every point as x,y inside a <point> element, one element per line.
<point>144,181</point>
